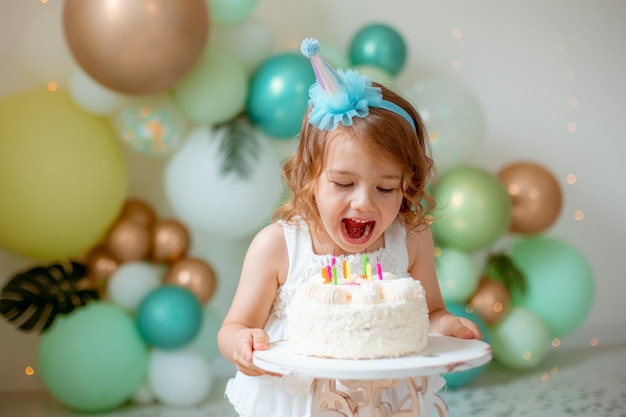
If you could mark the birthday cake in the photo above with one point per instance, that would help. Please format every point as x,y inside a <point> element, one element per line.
<point>358,316</point>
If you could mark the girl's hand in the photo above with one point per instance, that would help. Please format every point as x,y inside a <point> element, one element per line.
<point>461,327</point>
<point>248,341</point>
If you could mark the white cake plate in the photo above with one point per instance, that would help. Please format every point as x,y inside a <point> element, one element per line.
<point>444,354</point>
<point>353,388</point>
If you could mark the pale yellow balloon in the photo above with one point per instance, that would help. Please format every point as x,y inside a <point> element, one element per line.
<point>63,177</point>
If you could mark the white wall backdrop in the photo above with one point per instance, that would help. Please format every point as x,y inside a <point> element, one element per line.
<point>548,75</point>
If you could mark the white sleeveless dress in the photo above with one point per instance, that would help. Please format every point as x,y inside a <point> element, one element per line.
<point>268,396</point>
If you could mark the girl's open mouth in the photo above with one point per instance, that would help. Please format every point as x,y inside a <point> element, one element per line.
<point>357,230</point>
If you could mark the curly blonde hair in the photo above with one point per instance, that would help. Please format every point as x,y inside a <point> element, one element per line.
<point>382,131</point>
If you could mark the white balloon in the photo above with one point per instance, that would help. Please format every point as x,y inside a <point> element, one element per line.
<point>453,117</point>
<point>43,52</point>
<point>91,96</point>
<point>131,282</point>
<point>249,41</point>
<point>179,378</point>
<point>203,197</point>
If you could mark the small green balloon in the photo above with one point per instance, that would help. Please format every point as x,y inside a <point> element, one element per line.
<point>215,90</point>
<point>520,340</point>
<point>93,359</point>
<point>231,11</point>
<point>473,208</point>
<point>457,273</point>
<point>560,285</point>
<point>379,45</point>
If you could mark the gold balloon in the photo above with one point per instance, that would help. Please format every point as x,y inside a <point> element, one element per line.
<point>138,212</point>
<point>128,241</point>
<point>491,300</point>
<point>170,241</point>
<point>136,46</point>
<point>100,264</point>
<point>535,194</point>
<point>195,275</point>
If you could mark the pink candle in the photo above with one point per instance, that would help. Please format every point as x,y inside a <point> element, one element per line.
<point>379,270</point>
<point>329,272</point>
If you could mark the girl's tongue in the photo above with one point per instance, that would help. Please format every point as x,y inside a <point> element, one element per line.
<point>357,229</point>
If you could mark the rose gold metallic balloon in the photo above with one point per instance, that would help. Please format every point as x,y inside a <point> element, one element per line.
<point>170,241</point>
<point>136,46</point>
<point>535,194</point>
<point>128,241</point>
<point>490,300</point>
<point>195,275</point>
<point>100,264</point>
<point>139,212</point>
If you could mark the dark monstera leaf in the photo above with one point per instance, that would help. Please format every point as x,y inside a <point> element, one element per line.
<point>32,299</point>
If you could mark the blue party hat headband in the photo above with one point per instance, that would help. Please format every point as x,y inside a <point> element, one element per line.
<point>338,96</point>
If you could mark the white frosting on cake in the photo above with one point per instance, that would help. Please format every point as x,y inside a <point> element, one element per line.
<point>359,319</point>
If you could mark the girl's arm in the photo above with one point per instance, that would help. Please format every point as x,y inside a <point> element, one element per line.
<point>422,267</point>
<point>264,269</point>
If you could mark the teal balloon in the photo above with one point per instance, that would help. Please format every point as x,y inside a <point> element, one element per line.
<point>457,380</point>
<point>473,208</point>
<point>379,45</point>
<point>279,94</point>
<point>457,273</point>
<point>93,360</point>
<point>520,340</point>
<point>560,284</point>
<point>169,317</point>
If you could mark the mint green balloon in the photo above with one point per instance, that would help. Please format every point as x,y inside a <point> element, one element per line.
<point>473,208</point>
<point>93,359</point>
<point>457,273</point>
<point>560,285</point>
<point>215,90</point>
<point>520,340</point>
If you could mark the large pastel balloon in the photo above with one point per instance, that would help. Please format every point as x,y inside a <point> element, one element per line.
<point>249,41</point>
<point>215,90</point>
<point>213,192</point>
<point>194,274</point>
<point>457,380</point>
<point>93,360</point>
<point>520,340</point>
<point>536,196</point>
<point>559,280</point>
<point>92,96</point>
<point>453,117</point>
<point>180,378</point>
<point>473,208</point>
<point>279,94</point>
<point>169,317</point>
<point>136,46</point>
<point>379,45</point>
<point>457,274</point>
<point>62,176</point>
<point>231,11</point>
<point>152,126</point>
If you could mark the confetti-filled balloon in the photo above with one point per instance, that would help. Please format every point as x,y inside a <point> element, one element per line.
<point>93,360</point>
<point>136,46</point>
<point>152,126</point>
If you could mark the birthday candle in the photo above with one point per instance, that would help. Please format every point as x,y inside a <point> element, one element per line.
<point>379,270</point>
<point>365,263</point>
<point>368,272</point>
<point>332,261</point>
<point>329,274</point>
<point>334,274</point>
<point>348,272</point>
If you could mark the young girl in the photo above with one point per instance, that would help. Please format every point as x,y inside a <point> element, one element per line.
<point>358,181</point>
